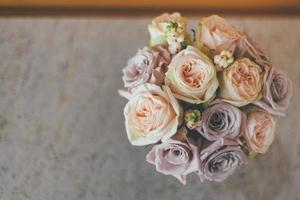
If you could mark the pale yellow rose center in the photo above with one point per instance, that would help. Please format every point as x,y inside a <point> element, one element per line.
<point>193,75</point>
<point>246,80</point>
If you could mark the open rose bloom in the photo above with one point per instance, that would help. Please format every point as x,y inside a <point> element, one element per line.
<point>205,103</point>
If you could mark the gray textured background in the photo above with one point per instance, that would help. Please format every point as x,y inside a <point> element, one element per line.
<point>62,135</point>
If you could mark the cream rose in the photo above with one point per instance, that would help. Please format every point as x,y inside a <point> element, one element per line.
<point>216,33</point>
<point>241,83</point>
<point>259,131</point>
<point>167,29</point>
<point>151,114</point>
<point>192,76</point>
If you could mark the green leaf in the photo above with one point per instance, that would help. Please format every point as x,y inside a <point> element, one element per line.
<point>171,26</point>
<point>187,41</point>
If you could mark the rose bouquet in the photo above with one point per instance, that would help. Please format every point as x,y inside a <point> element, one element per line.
<point>207,100</point>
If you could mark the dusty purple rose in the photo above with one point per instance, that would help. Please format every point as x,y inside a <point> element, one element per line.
<point>164,57</point>
<point>221,120</point>
<point>174,157</point>
<point>220,159</point>
<point>148,65</point>
<point>277,92</point>
<point>246,45</point>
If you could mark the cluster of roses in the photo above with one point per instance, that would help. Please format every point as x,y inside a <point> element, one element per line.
<point>206,100</point>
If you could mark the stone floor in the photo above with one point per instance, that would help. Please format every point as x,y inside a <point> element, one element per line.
<point>62,131</point>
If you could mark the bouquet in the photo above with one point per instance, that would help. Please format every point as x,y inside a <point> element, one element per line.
<point>206,99</point>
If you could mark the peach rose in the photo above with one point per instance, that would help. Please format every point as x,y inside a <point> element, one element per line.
<point>241,83</point>
<point>216,33</point>
<point>151,114</point>
<point>259,132</point>
<point>192,76</point>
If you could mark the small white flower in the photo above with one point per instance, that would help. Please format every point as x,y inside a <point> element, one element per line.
<point>224,59</point>
<point>175,37</point>
<point>174,48</point>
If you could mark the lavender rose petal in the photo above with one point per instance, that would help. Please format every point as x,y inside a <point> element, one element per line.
<point>220,159</point>
<point>277,92</point>
<point>247,45</point>
<point>147,66</point>
<point>221,120</point>
<point>176,158</point>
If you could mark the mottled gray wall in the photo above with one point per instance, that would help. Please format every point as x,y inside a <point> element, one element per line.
<point>62,132</point>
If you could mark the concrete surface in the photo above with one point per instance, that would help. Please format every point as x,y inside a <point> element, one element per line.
<point>62,132</point>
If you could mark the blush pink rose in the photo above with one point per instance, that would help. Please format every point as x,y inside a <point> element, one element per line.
<point>151,115</point>
<point>241,83</point>
<point>216,33</point>
<point>260,130</point>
